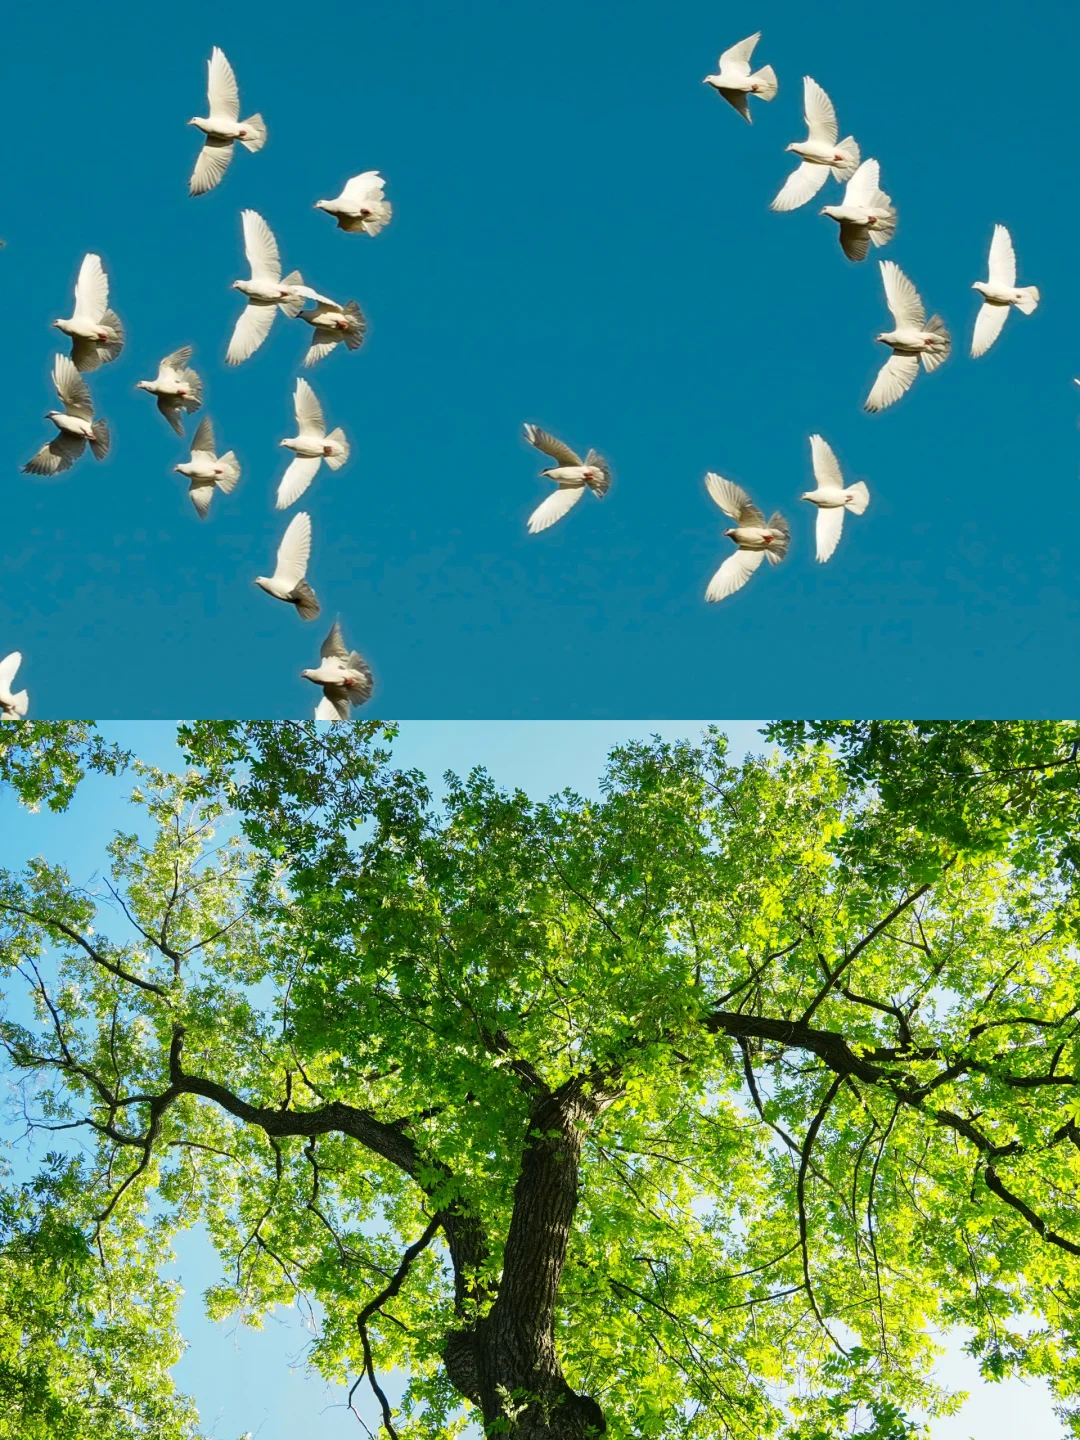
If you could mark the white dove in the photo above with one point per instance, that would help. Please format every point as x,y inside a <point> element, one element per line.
<point>1000,293</point>
<point>287,582</point>
<point>222,127</point>
<point>13,706</point>
<point>311,446</point>
<point>867,215</point>
<point>207,470</point>
<point>735,82</point>
<point>344,675</point>
<point>266,291</point>
<point>821,153</point>
<point>572,475</point>
<point>756,538</point>
<point>361,206</point>
<point>97,336</point>
<point>915,338</point>
<point>75,423</point>
<point>334,325</point>
<point>178,389</point>
<point>831,497</point>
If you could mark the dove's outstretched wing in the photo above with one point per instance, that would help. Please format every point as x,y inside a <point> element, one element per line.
<point>261,248</point>
<point>894,379</point>
<point>1002,259</point>
<point>250,331</point>
<point>292,556</point>
<point>827,530</point>
<point>819,112</point>
<point>221,89</point>
<point>734,573</point>
<point>91,291</point>
<point>309,414</point>
<point>902,298</point>
<point>72,388</point>
<point>214,159</point>
<point>551,446</point>
<point>733,500</point>
<point>555,507</point>
<point>736,60</point>
<point>827,470</point>
<point>800,186</point>
<point>299,475</point>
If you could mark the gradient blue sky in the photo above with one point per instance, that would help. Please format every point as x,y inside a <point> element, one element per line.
<point>245,1380</point>
<point>581,238</point>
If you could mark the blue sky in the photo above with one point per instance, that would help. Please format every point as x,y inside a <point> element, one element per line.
<point>245,1380</point>
<point>581,238</point>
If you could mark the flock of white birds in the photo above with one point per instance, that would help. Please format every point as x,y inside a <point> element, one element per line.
<point>866,217</point>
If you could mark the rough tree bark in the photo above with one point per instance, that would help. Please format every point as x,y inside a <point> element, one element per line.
<point>510,1356</point>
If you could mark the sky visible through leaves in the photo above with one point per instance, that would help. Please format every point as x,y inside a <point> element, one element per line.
<point>251,1381</point>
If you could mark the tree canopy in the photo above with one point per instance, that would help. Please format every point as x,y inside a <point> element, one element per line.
<point>693,1110</point>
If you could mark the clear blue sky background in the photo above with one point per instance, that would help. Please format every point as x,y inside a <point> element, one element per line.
<point>241,1379</point>
<point>582,238</point>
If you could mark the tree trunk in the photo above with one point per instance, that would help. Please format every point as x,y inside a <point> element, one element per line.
<point>507,1365</point>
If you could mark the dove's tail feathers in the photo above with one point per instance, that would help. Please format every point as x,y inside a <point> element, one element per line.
<point>781,538</point>
<point>255,138</point>
<point>99,439</point>
<point>303,597</point>
<point>601,484</point>
<point>293,307</point>
<point>231,472</point>
<point>191,402</point>
<point>1028,301</point>
<point>354,336</point>
<point>20,703</point>
<point>852,159</point>
<point>931,359</point>
<point>858,497</point>
<point>884,227</point>
<point>765,80</point>
<point>110,349</point>
<point>338,437</point>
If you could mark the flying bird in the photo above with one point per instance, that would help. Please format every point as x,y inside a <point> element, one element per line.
<point>867,215</point>
<point>1000,293</point>
<point>266,291</point>
<point>334,325</point>
<point>915,338</point>
<point>207,470</point>
<point>178,388</point>
<point>13,705</point>
<point>222,127</point>
<point>311,446</point>
<point>735,82</point>
<point>572,475</point>
<point>344,675</point>
<point>361,206</point>
<point>97,336</point>
<point>821,153</point>
<point>832,497</point>
<point>75,422</point>
<point>287,582</point>
<point>756,538</point>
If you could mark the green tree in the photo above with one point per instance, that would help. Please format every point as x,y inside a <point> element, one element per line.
<point>688,1111</point>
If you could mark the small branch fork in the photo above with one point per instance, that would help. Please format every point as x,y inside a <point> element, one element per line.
<point>371,1308</point>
